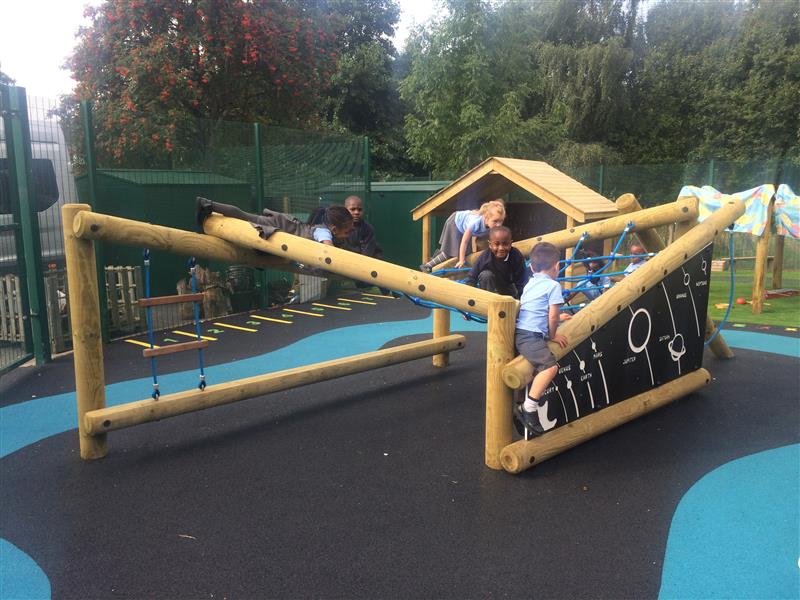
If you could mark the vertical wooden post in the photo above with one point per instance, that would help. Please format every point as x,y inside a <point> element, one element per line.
<point>87,341</point>
<point>441,328</point>
<point>499,351</point>
<point>762,253</point>
<point>426,238</point>
<point>777,266</point>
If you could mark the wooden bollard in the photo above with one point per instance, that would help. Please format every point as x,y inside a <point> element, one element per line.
<point>502,320</point>
<point>87,339</point>
<point>523,455</point>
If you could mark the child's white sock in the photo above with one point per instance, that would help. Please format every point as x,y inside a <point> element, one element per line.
<point>530,405</point>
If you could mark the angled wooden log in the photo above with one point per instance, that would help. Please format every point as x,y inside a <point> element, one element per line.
<point>95,226</point>
<point>652,242</point>
<point>523,454</point>
<point>98,422</point>
<point>684,209</point>
<point>349,264</point>
<point>519,371</point>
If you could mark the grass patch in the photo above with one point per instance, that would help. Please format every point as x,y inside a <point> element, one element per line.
<point>777,311</point>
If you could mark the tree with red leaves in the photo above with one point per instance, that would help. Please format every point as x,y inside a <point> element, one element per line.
<point>152,68</point>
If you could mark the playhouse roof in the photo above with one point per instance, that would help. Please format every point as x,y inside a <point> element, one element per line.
<point>497,176</point>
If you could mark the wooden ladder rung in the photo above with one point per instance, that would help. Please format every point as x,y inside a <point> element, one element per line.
<point>173,348</point>
<point>159,300</point>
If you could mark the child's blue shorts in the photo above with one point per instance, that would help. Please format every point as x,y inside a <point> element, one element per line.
<point>533,346</point>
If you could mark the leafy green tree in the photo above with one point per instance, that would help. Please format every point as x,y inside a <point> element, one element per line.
<point>471,90</point>
<point>151,68</point>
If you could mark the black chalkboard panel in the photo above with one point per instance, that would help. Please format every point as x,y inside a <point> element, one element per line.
<point>658,338</point>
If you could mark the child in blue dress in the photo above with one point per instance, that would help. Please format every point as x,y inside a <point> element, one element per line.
<point>461,227</point>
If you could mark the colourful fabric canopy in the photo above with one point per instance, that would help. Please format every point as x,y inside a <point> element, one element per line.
<point>787,212</point>
<point>756,203</point>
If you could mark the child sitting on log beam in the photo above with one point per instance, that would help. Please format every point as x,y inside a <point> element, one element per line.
<point>539,315</point>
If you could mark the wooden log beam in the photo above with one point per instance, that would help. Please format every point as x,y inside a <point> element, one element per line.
<point>441,328</point>
<point>87,339</point>
<point>519,371</point>
<point>352,265</point>
<point>169,405</point>
<point>777,265</point>
<point>96,226</point>
<point>499,350</point>
<point>523,455</point>
<point>683,209</point>
<point>652,242</point>
<point>762,259</point>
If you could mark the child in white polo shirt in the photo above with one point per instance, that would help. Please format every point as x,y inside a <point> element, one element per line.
<point>539,315</point>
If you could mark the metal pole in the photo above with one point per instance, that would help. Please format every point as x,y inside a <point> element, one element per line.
<point>91,177</point>
<point>263,288</point>
<point>367,176</point>
<point>18,144</point>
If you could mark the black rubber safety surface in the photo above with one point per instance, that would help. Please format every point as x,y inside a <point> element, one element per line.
<point>374,486</point>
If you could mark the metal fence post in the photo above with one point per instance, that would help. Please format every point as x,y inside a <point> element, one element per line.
<point>18,145</point>
<point>263,296</point>
<point>91,180</point>
<point>367,176</point>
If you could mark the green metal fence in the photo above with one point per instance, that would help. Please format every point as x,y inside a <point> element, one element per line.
<point>249,165</point>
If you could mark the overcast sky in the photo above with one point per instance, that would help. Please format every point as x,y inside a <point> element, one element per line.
<point>37,36</point>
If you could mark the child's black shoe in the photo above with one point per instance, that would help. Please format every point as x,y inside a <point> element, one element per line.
<point>203,210</point>
<point>529,420</point>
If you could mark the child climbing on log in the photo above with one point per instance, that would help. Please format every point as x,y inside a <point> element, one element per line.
<point>501,267</point>
<point>333,223</point>
<point>461,227</point>
<point>539,315</point>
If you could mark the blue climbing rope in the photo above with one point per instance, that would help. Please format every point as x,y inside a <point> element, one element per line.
<point>429,304</point>
<point>146,256</point>
<point>730,299</point>
<point>193,270</point>
<point>575,250</point>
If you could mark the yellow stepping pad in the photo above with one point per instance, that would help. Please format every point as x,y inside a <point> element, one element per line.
<point>138,343</point>
<point>378,296</point>
<point>330,306</point>
<point>194,335</point>
<point>356,301</point>
<point>302,312</point>
<point>251,330</point>
<point>271,319</point>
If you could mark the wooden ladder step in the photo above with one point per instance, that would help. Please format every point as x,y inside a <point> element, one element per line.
<point>173,348</point>
<point>180,299</point>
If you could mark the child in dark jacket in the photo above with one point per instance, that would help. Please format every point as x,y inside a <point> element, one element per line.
<point>501,267</point>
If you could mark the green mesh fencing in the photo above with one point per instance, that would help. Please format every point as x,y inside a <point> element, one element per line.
<point>303,171</point>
